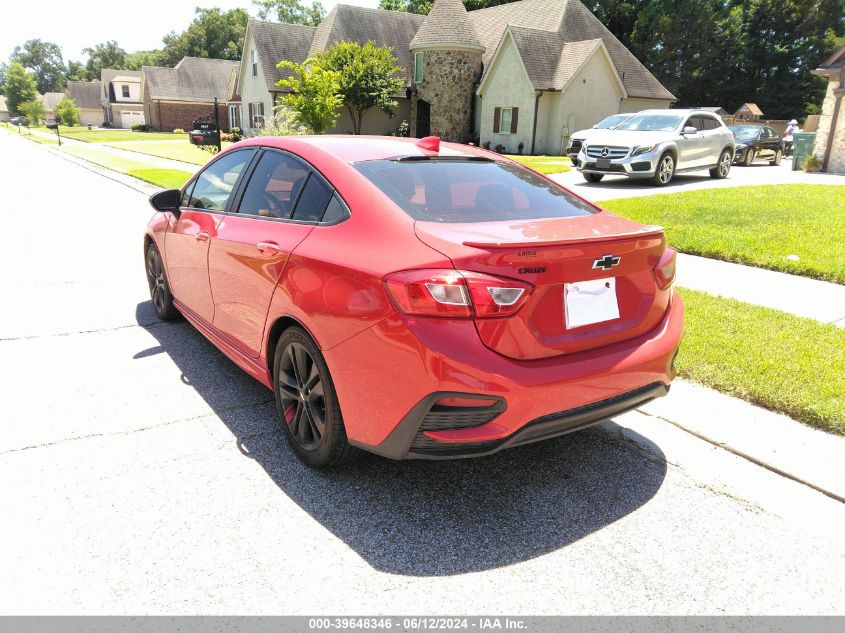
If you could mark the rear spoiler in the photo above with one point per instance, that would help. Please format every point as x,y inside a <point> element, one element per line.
<point>645,231</point>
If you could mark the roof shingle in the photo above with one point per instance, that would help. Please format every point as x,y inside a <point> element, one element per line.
<point>275,42</point>
<point>447,24</point>
<point>85,94</point>
<point>192,79</point>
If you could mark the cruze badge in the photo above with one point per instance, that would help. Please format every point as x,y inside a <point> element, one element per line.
<point>606,262</point>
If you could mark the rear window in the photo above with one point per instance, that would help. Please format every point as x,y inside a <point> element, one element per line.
<point>449,190</point>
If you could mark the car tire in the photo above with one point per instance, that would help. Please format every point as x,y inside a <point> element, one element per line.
<point>665,170</point>
<point>160,294</point>
<point>305,393</point>
<point>749,157</point>
<point>593,177</point>
<point>723,167</point>
<point>776,160</point>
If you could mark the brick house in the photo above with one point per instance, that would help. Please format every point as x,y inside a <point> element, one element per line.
<point>830,137</point>
<point>526,73</point>
<point>174,97</point>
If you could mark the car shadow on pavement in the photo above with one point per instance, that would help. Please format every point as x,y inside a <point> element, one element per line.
<point>419,517</point>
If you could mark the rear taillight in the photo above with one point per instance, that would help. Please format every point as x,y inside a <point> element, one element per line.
<point>664,272</point>
<point>457,294</point>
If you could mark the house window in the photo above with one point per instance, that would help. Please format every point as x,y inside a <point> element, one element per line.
<point>124,89</point>
<point>256,114</point>
<point>254,58</point>
<point>505,120</point>
<point>418,67</point>
<point>233,117</point>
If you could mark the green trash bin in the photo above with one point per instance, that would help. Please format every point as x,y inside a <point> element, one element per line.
<point>802,146</point>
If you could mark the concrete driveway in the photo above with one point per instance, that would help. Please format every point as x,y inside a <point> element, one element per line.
<point>143,473</point>
<point>760,173</point>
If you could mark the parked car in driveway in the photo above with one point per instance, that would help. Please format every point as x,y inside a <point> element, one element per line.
<point>19,120</point>
<point>412,298</point>
<point>754,142</point>
<point>657,144</point>
<point>607,123</point>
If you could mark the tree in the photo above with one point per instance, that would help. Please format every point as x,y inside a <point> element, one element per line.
<point>315,94</point>
<point>134,61</point>
<point>66,111</point>
<point>76,71</point>
<point>3,69</point>
<point>105,55</point>
<point>369,78</point>
<point>20,87</point>
<point>45,60</point>
<point>290,11</point>
<point>213,33</point>
<point>33,111</point>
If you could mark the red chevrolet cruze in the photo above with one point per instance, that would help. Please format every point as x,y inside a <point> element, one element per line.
<point>412,298</point>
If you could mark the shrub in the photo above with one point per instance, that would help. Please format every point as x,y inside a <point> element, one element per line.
<point>32,110</point>
<point>282,123</point>
<point>486,144</point>
<point>67,112</point>
<point>811,163</point>
<point>500,148</point>
<point>178,130</point>
<point>143,127</point>
<point>236,134</point>
<point>520,147</point>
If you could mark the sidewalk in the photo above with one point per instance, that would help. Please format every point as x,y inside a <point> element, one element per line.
<point>801,296</point>
<point>152,161</point>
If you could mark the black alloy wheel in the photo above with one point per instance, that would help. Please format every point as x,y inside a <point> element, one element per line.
<point>159,289</point>
<point>307,402</point>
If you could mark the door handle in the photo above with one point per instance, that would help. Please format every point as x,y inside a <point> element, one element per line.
<point>202,236</point>
<point>269,248</point>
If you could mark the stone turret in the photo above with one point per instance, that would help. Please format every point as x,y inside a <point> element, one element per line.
<point>447,63</point>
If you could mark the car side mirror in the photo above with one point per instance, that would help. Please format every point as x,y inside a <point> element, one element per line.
<point>167,200</point>
<point>689,131</point>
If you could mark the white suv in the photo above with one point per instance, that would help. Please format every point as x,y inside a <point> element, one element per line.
<point>657,144</point>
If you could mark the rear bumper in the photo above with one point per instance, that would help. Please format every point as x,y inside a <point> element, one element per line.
<point>388,377</point>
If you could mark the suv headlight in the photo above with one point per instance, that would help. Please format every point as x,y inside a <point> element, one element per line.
<point>740,145</point>
<point>643,149</point>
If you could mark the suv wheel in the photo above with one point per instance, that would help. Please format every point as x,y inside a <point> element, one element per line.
<point>723,166</point>
<point>665,170</point>
<point>593,177</point>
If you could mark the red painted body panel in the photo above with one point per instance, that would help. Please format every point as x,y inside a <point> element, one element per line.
<point>330,279</point>
<point>243,279</point>
<point>186,258</point>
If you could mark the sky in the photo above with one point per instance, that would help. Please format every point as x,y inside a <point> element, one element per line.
<point>77,24</point>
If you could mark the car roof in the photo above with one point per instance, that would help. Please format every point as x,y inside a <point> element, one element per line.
<point>352,149</point>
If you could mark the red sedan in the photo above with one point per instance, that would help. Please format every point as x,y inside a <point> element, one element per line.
<point>412,298</point>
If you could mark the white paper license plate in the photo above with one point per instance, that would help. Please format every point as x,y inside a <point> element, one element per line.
<point>587,302</point>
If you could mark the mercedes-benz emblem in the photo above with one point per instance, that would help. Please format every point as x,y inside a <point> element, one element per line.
<point>604,152</point>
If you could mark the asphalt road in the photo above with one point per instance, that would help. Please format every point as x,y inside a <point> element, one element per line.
<point>143,473</point>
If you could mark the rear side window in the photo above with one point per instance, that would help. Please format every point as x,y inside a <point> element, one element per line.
<point>312,203</point>
<point>274,187</point>
<point>214,186</point>
<point>710,123</point>
<point>335,212</point>
<point>448,190</point>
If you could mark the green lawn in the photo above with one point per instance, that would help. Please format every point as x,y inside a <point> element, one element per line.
<point>166,178</point>
<point>544,164</point>
<point>174,149</point>
<point>760,225</point>
<point>781,362</point>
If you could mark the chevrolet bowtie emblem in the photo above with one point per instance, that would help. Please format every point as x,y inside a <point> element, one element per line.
<point>606,262</point>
